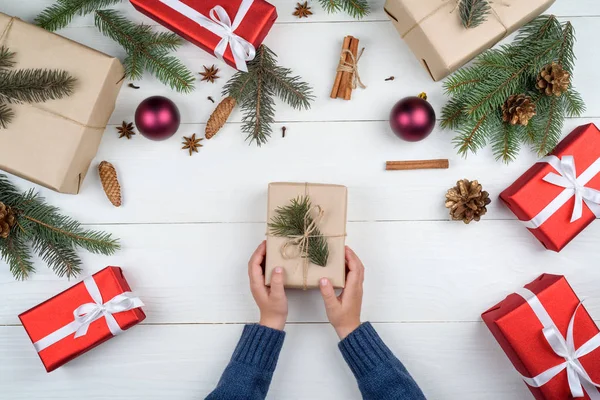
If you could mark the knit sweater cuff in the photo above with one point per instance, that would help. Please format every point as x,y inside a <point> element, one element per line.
<point>364,350</point>
<point>259,346</point>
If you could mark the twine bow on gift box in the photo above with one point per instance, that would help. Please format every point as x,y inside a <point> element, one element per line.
<point>574,186</point>
<point>87,313</point>
<point>304,240</point>
<point>579,379</point>
<point>220,24</point>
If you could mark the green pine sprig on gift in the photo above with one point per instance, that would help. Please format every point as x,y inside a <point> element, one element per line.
<point>473,12</point>
<point>355,8</point>
<point>502,99</point>
<point>255,91</point>
<point>291,221</point>
<point>28,85</point>
<point>146,50</point>
<point>28,223</point>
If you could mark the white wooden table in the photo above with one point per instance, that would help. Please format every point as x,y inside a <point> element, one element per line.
<point>189,224</point>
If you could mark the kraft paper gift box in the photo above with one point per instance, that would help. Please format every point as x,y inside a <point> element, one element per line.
<point>299,272</point>
<point>434,32</point>
<point>550,339</point>
<point>82,317</point>
<point>559,196</point>
<point>53,143</point>
<point>204,22</point>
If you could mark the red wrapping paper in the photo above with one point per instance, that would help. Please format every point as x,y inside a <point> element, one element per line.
<point>519,332</point>
<point>254,28</point>
<point>57,312</point>
<point>530,194</point>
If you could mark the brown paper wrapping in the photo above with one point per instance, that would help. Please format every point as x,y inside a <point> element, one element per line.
<point>53,143</point>
<point>435,34</point>
<point>333,200</point>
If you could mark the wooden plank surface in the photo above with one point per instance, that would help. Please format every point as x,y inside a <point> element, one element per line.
<point>184,362</point>
<point>189,224</point>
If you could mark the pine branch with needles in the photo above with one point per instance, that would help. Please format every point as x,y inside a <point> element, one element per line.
<point>355,8</point>
<point>146,49</point>
<point>473,12</point>
<point>41,228</point>
<point>482,106</point>
<point>291,221</point>
<point>255,91</point>
<point>28,85</point>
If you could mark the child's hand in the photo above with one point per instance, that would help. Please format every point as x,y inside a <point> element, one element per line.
<point>271,301</point>
<point>344,311</point>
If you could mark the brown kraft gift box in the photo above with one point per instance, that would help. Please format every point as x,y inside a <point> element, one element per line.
<point>435,34</point>
<point>333,201</point>
<point>53,143</point>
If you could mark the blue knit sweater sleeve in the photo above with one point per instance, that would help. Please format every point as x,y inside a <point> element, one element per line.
<point>250,370</point>
<point>379,373</point>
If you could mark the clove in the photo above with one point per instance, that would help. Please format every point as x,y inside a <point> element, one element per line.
<point>391,78</point>
<point>131,85</point>
<point>211,99</point>
<point>283,129</point>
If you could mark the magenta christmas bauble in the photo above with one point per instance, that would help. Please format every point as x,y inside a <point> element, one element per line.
<point>412,118</point>
<point>157,118</point>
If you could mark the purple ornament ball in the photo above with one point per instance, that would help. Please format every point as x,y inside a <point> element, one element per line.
<point>412,118</point>
<point>157,118</point>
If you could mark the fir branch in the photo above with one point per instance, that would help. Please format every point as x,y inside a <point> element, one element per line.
<point>52,235</point>
<point>506,144</point>
<point>34,85</point>
<point>291,220</point>
<point>6,115</point>
<point>146,50</point>
<point>60,14</point>
<point>6,58</point>
<point>355,8</point>
<point>473,12</point>
<point>254,91</point>
<point>15,252</point>
<point>478,92</point>
<point>63,260</point>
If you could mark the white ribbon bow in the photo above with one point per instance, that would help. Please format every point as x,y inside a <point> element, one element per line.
<point>220,24</point>
<point>574,186</point>
<point>87,313</point>
<point>579,379</point>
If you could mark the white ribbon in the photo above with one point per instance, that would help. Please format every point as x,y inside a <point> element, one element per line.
<point>220,24</point>
<point>574,186</point>
<point>87,313</point>
<point>579,380</point>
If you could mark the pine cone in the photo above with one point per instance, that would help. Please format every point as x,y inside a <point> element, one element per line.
<point>110,182</point>
<point>219,116</point>
<point>8,219</point>
<point>553,80</point>
<point>518,109</point>
<point>467,201</point>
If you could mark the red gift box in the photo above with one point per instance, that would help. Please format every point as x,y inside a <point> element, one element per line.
<point>104,306</point>
<point>545,196</point>
<point>527,322</point>
<point>207,22</point>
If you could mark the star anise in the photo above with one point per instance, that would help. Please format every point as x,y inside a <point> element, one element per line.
<point>302,10</point>
<point>191,143</point>
<point>210,74</point>
<point>126,130</point>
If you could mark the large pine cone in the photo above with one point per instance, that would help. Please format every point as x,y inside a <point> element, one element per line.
<point>467,201</point>
<point>553,80</point>
<point>518,109</point>
<point>8,219</point>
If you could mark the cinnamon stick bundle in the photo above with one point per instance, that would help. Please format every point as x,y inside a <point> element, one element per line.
<point>342,86</point>
<point>416,164</point>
